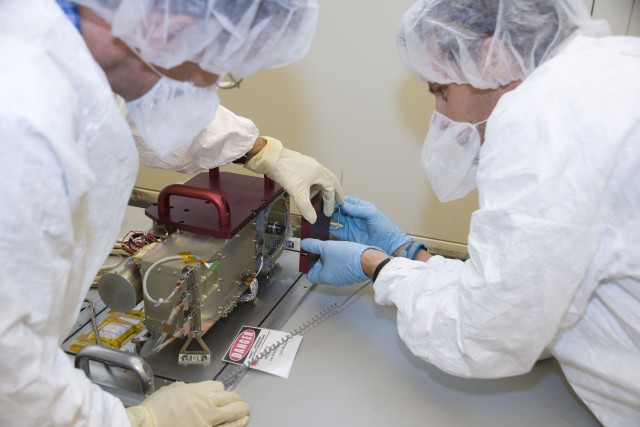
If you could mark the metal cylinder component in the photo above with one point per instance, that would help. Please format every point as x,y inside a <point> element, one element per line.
<point>121,288</point>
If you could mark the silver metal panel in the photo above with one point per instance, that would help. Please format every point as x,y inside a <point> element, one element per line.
<point>278,297</point>
<point>218,289</point>
<point>276,300</point>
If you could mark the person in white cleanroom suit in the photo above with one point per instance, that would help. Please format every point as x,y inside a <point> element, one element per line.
<point>541,111</point>
<point>69,162</point>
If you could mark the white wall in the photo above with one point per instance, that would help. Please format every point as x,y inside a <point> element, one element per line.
<point>352,105</point>
<point>623,15</point>
<point>634,24</point>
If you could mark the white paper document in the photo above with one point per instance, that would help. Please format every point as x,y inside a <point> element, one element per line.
<point>263,349</point>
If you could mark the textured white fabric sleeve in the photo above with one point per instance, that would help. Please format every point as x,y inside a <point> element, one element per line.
<point>38,383</point>
<point>493,315</point>
<point>531,245</point>
<point>227,138</point>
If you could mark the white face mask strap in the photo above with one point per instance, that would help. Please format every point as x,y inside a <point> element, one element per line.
<point>451,121</point>
<point>148,64</point>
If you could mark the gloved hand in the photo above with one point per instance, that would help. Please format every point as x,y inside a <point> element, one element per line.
<point>298,175</point>
<point>339,262</point>
<point>203,404</point>
<point>363,223</point>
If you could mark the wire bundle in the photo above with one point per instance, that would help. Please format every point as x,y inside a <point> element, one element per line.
<point>133,241</point>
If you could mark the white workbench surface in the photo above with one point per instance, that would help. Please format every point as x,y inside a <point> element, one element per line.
<point>353,370</point>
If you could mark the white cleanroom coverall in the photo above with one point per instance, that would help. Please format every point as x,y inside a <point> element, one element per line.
<point>68,165</point>
<point>555,245</point>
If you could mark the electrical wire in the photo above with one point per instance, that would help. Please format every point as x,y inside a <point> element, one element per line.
<point>129,245</point>
<point>145,291</point>
<point>133,241</point>
<point>231,380</point>
<point>160,344</point>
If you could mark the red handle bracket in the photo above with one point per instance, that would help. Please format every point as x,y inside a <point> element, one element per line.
<point>195,193</point>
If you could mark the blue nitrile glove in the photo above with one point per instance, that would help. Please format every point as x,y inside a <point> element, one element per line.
<point>339,262</point>
<point>363,223</point>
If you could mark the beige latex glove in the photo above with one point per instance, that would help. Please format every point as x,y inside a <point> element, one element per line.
<point>203,404</point>
<point>298,175</point>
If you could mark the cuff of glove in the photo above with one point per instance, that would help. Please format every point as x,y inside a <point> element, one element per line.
<point>140,416</point>
<point>411,251</point>
<point>267,158</point>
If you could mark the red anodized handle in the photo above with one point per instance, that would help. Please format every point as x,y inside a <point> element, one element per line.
<point>195,193</point>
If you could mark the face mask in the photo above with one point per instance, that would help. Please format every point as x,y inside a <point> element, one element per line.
<point>172,113</point>
<point>450,157</point>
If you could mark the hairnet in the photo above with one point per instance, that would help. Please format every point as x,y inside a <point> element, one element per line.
<point>488,43</point>
<point>222,36</point>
